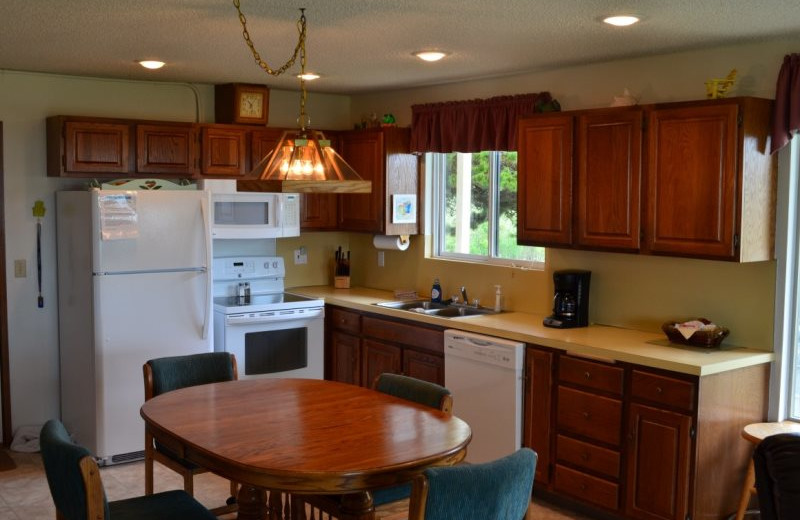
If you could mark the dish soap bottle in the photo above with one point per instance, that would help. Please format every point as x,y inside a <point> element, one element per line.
<point>436,291</point>
<point>498,299</point>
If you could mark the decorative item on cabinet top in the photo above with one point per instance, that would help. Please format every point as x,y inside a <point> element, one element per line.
<point>241,103</point>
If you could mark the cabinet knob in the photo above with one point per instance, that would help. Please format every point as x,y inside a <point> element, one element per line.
<point>584,456</point>
<point>585,415</point>
<point>659,390</point>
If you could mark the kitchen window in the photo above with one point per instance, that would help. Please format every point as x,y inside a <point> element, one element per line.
<point>475,209</point>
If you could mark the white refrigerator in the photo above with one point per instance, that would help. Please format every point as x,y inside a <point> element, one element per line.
<point>134,283</point>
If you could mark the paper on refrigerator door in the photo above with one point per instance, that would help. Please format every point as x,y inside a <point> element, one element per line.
<point>119,218</point>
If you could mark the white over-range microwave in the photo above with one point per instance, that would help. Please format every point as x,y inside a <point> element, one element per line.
<point>255,215</point>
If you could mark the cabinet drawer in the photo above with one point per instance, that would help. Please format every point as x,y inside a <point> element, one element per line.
<point>663,390</point>
<point>586,487</point>
<point>589,415</point>
<point>591,374</point>
<point>345,320</point>
<point>588,456</point>
<point>423,338</point>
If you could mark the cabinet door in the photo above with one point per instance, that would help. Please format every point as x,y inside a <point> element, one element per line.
<point>223,151</point>
<point>346,358</point>
<point>90,147</point>
<point>318,211</point>
<point>544,180</point>
<point>609,150</point>
<point>165,149</point>
<point>658,464</point>
<point>365,153</point>
<point>378,358</point>
<point>423,366</point>
<point>691,181</point>
<point>538,398</point>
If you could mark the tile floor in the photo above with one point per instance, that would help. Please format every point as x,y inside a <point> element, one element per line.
<point>24,494</point>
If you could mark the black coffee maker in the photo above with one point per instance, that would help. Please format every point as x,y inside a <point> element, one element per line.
<point>571,300</point>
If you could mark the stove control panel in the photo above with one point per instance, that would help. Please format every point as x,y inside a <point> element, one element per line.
<point>248,267</point>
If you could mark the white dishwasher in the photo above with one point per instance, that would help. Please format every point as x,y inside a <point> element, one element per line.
<point>485,374</point>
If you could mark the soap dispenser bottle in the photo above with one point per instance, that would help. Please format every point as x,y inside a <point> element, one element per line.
<point>436,291</point>
<point>498,298</point>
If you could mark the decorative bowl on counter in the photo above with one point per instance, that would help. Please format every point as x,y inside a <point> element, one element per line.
<point>705,335</point>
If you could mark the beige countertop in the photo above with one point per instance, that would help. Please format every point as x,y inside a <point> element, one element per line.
<point>595,341</point>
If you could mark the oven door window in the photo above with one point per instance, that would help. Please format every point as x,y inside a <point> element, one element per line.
<point>275,351</point>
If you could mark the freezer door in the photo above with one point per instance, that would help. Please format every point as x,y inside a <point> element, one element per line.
<point>161,230</point>
<point>140,317</point>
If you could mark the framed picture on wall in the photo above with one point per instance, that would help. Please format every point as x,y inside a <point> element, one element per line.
<point>404,209</point>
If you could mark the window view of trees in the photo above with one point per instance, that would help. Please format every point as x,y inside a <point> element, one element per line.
<point>480,206</point>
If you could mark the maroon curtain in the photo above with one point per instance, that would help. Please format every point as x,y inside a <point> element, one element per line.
<point>786,119</point>
<point>471,126</point>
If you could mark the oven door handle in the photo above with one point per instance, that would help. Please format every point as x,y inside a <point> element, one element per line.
<point>273,316</point>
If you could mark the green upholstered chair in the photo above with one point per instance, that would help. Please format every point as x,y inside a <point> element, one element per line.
<point>497,490</point>
<point>166,374</point>
<point>410,389</point>
<point>77,489</point>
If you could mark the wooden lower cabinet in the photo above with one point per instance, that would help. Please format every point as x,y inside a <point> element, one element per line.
<point>360,346</point>
<point>346,357</point>
<point>379,358</point>
<point>658,463</point>
<point>640,443</point>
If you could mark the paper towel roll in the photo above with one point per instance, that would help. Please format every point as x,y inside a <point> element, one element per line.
<point>392,242</point>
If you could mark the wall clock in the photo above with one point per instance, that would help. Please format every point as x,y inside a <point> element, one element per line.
<point>241,103</point>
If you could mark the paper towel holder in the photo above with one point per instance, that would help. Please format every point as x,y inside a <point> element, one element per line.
<point>397,242</point>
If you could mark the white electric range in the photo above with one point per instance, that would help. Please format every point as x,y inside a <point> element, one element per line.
<point>271,332</point>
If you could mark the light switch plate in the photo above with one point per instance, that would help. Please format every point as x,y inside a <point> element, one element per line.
<point>300,256</point>
<point>20,268</point>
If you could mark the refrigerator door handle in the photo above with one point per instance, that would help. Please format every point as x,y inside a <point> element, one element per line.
<point>206,234</point>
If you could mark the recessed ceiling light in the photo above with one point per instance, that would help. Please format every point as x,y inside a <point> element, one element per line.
<point>430,55</point>
<point>308,76</point>
<point>621,21</point>
<point>151,64</point>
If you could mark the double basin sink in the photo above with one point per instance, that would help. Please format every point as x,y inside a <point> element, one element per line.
<point>443,310</point>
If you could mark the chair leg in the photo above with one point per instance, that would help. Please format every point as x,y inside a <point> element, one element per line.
<point>747,490</point>
<point>188,483</point>
<point>148,475</point>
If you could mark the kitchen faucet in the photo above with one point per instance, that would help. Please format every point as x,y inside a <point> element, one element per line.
<point>464,298</point>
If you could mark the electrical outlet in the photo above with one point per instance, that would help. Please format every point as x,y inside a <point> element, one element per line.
<point>380,258</point>
<point>300,256</point>
<point>20,268</point>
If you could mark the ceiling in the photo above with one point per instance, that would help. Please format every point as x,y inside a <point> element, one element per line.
<point>361,46</point>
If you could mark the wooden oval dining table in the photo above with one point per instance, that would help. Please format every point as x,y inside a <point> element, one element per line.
<point>304,436</point>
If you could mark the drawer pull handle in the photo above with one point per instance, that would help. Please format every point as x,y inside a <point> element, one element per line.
<point>659,390</point>
<point>585,415</point>
<point>584,456</point>
<point>587,375</point>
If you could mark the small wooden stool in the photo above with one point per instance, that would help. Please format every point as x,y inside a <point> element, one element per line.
<point>755,433</point>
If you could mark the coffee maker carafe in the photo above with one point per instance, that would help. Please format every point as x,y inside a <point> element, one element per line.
<point>571,300</point>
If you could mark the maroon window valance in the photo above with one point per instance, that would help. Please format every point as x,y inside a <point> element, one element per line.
<point>471,126</point>
<point>786,119</point>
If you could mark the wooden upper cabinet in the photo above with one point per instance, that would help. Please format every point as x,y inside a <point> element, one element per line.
<point>166,149</point>
<point>711,180</point>
<point>382,156</point>
<point>544,180</point>
<point>607,188</point>
<point>223,151</point>
<point>85,148</point>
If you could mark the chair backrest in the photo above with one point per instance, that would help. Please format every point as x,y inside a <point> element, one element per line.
<point>171,373</point>
<point>777,464</point>
<point>497,490</point>
<point>417,390</point>
<point>72,475</point>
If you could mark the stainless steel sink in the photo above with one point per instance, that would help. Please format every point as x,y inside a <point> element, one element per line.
<point>442,310</point>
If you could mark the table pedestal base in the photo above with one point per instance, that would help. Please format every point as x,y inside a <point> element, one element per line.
<point>259,504</point>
